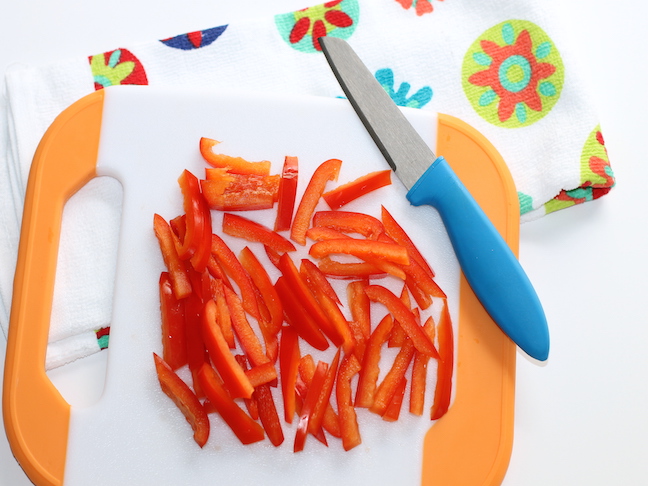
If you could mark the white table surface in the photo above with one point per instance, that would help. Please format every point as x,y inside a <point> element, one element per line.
<point>581,418</point>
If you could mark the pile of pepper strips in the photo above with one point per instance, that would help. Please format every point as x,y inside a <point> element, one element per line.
<point>206,317</point>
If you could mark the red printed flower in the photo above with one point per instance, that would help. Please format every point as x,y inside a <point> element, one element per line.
<point>318,21</point>
<point>513,74</point>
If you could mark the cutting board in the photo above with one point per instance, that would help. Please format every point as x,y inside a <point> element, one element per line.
<point>144,137</point>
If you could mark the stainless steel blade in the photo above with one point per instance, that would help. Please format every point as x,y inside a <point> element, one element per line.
<point>405,151</point>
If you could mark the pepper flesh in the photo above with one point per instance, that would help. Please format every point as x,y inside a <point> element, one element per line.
<point>444,371</point>
<point>174,350</point>
<point>351,191</point>
<point>287,194</point>
<point>178,391</point>
<point>327,171</point>
<point>235,165</point>
<point>348,419</point>
<point>235,225</point>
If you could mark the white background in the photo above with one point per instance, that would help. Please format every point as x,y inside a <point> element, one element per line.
<point>581,418</point>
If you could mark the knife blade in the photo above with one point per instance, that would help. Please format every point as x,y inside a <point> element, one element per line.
<point>489,265</point>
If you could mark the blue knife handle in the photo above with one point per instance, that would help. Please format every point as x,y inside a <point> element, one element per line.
<point>490,267</point>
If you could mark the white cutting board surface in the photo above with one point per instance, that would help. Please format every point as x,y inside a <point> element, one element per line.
<point>134,434</point>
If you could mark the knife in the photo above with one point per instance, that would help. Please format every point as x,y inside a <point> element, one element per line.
<point>491,269</point>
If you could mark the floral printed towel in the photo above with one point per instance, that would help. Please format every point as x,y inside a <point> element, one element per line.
<point>504,67</point>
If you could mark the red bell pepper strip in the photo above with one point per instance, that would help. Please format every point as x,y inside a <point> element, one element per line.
<point>195,223</point>
<point>174,350</point>
<point>244,332</point>
<point>443,389</point>
<point>348,419</point>
<point>350,191</point>
<point>249,230</point>
<point>176,267</point>
<point>250,403</point>
<point>419,373</point>
<point>178,391</point>
<point>203,250</point>
<point>392,412</point>
<point>223,315</point>
<point>368,379</point>
<point>330,421</point>
<point>310,401</point>
<point>316,278</point>
<point>235,192</point>
<point>349,222</point>
<point>298,317</point>
<point>323,403</point>
<point>360,307</point>
<point>236,381</point>
<point>398,336</point>
<point>327,171</point>
<point>341,270</point>
<point>301,390</point>
<point>235,165</point>
<point>268,414</point>
<point>321,233</point>
<point>362,249</point>
<point>287,193</point>
<point>196,351</point>
<point>404,316</point>
<point>388,387</point>
<point>398,234</point>
<point>262,374</point>
<point>289,357</point>
<point>305,297</point>
<point>246,429</point>
<point>234,269</point>
<point>341,334</point>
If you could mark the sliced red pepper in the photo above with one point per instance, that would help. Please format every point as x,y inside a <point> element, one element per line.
<point>398,336</point>
<point>289,357</point>
<point>305,297</point>
<point>392,412</point>
<point>223,315</point>
<point>348,419</point>
<point>244,332</point>
<point>360,307</point>
<point>235,192</point>
<point>342,334</point>
<point>298,317</point>
<point>250,403</point>
<point>262,374</point>
<point>236,165</point>
<point>330,421</point>
<point>404,316</point>
<point>203,252</point>
<point>195,223</point>
<point>349,222</point>
<point>316,277</point>
<point>327,171</point>
<point>362,249</point>
<point>398,234</point>
<point>443,389</point>
<point>178,391</point>
<point>335,269</point>
<point>176,267</point>
<point>323,403</point>
<point>310,401</point>
<point>351,191</point>
<point>419,373</point>
<point>235,225</point>
<point>388,387</point>
<point>246,429</point>
<point>174,350</point>
<point>268,414</point>
<point>287,194</point>
<point>301,390</point>
<point>320,233</point>
<point>196,351</point>
<point>234,269</point>
<point>236,381</point>
<point>368,379</point>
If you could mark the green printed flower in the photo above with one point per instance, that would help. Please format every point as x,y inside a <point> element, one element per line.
<point>116,67</point>
<point>513,74</point>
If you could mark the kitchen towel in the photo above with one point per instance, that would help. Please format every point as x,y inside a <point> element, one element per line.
<point>504,67</point>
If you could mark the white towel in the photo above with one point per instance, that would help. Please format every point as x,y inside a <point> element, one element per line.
<point>504,67</point>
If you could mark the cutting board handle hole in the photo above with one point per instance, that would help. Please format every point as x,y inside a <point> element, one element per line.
<point>83,290</point>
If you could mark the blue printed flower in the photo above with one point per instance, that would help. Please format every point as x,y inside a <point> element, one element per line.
<point>419,99</point>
